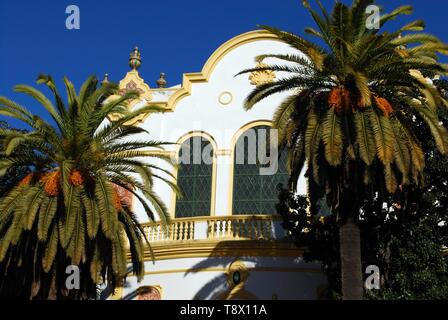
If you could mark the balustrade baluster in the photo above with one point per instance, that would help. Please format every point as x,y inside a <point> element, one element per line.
<point>213,228</point>
<point>263,234</point>
<point>256,229</point>
<point>220,232</point>
<point>191,229</point>
<point>253,229</point>
<point>173,231</point>
<point>167,232</point>
<point>184,231</point>
<point>146,231</point>
<point>270,229</point>
<point>229,228</point>
<point>237,223</point>
<point>218,228</point>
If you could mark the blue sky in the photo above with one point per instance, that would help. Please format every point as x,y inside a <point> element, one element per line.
<point>174,36</point>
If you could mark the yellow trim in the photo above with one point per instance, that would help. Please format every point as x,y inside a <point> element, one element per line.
<point>237,291</point>
<point>232,156</point>
<point>221,98</point>
<point>146,95</point>
<point>223,152</point>
<point>204,75</point>
<point>223,248</point>
<point>181,140</point>
<point>118,295</point>
<point>198,77</point>
<point>164,89</point>
<point>253,269</point>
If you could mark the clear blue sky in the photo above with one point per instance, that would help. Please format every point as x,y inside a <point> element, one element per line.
<point>174,36</point>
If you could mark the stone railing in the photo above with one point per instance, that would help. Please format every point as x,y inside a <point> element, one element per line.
<point>216,228</point>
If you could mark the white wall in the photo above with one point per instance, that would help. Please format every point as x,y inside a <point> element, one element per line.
<point>285,277</point>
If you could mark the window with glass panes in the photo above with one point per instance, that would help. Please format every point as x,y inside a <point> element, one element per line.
<point>194,178</point>
<point>254,193</point>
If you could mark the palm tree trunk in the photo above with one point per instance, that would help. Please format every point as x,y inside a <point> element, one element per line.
<point>350,253</point>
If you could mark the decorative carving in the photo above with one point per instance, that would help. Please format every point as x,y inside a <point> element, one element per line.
<point>131,86</point>
<point>105,80</point>
<point>225,98</point>
<point>161,83</point>
<point>133,82</point>
<point>149,293</point>
<point>261,77</point>
<point>237,276</point>
<point>135,59</point>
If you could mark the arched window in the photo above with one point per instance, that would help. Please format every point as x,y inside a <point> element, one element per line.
<point>194,177</point>
<point>254,190</point>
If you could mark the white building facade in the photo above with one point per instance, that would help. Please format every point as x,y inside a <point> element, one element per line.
<point>224,240</point>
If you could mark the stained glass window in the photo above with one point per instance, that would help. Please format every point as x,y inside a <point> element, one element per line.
<point>253,192</point>
<point>194,178</point>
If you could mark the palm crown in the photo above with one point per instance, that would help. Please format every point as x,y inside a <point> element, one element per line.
<point>68,210</point>
<point>357,98</point>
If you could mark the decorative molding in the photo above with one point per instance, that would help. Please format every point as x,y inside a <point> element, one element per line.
<point>229,248</point>
<point>261,77</point>
<point>209,66</point>
<point>163,90</point>
<point>149,293</point>
<point>197,77</point>
<point>132,82</point>
<point>212,269</point>
<point>237,276</point>
<point>118,294</point>
<point>225,98</point>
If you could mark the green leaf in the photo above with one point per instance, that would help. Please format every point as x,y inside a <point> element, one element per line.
<point>383,135</point>
<point>48,211</point>
<point>332,138</point>
<point>364,137</point>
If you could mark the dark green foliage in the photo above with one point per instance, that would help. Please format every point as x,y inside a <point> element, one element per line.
<point>14,174</point>
<point>403,233</point>
<point>70,209</point>
<point>356,107</point>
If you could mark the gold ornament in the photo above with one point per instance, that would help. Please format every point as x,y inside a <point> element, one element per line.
<point>261,77</point>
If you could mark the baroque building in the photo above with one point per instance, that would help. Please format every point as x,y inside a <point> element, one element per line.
<point>224,239</point>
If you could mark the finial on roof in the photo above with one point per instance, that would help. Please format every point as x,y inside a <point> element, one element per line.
<point>106,79</point>
<point>161,83</point>
<point>135,59</point>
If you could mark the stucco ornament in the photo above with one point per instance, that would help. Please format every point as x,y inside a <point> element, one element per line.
<point>258,78</point>
<point>133,82</point>
<point>149,293</point>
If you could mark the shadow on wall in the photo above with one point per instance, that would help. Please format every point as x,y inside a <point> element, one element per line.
<point>232,284</point>
<point>243,271</point>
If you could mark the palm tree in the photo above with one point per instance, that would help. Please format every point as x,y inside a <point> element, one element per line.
<point>356,96</point>
<point>13,176</point>
<point>68,210</point>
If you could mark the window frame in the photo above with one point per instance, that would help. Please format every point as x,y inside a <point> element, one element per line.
<point>212,142</point>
